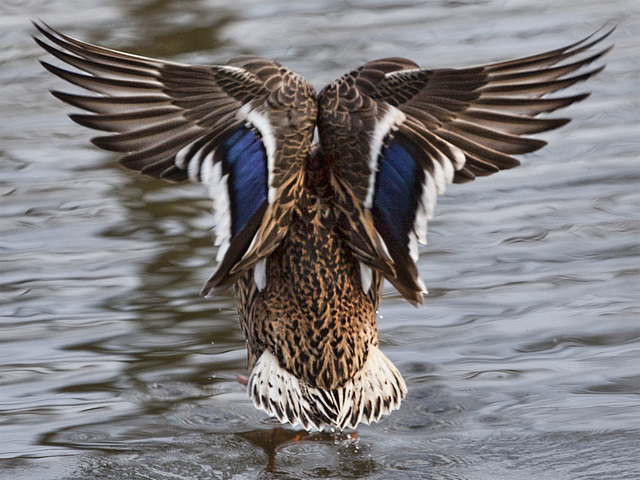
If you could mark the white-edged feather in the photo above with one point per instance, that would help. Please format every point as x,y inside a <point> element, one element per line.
<point>366,277</point>
<point>218,190</point>
<point>423,287</point>
<point>390,121</point>
<point>260,273</point>
<point>459,159</point>
<point>194,168</point>
<point>424,212</point>
<point>429,195</point>
<point>413,246</point>
<point>261,122</point>
<point>439,177</point>
<point>444,168</point>
<point>205,171</point>
<point>420,222</point>
<point>395,73</point>
<point>376,390</point>
<point>232,69</point>
<point>448,166</point>
<point>181,158</point>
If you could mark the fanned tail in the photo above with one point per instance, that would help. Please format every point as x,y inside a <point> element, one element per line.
<point>376,390</point>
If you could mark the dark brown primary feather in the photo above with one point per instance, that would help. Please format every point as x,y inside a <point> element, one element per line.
<point>144,102</point>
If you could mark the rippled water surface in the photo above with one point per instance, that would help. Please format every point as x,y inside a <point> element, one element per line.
<point>524,363</point>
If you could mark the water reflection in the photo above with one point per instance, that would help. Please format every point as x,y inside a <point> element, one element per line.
<point>278,438</point>
<point>192,28</point>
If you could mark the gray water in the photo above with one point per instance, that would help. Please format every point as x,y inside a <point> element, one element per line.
<point>523,364</point>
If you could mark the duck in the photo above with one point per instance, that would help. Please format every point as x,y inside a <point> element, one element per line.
<point>318,197</point>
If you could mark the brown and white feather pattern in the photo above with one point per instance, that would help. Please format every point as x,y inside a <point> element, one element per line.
<point>307,232</point>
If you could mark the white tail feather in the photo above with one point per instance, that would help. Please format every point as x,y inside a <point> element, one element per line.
<point>374,391</point>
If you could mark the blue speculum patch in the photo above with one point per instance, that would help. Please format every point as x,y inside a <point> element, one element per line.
<point>245,160</point>
<point>398,187</point>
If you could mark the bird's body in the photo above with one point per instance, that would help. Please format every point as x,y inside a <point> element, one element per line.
<point>312,314</point>
<point>307,230</point>
<point>314,317</point>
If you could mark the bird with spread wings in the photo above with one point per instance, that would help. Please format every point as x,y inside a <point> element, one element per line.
<point>318,197</point>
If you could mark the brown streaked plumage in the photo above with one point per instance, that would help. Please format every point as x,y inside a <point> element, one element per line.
<point>307,231</point>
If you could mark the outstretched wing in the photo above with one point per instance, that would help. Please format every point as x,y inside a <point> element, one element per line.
<point>244,129</point>
<point>396,136</point>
